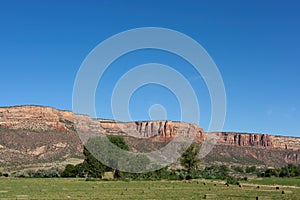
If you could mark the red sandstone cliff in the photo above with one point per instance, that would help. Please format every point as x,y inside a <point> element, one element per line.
<point>34,133</point>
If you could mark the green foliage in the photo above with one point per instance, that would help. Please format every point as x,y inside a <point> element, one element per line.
<point>118,141</point>
<point>250,169</point>
<point>216,172</point>
<point>69,171</point>
<point>287,171</point>
<point>53,172</point>
<point>284,172</point>
<point>271,172</point>
<point>80,170</point>
<point>293,170</point>
<point>232,180</point>
<point>238,169</point>
<point>102,151</point>
<point>91,166</point>
<point>189,159</point>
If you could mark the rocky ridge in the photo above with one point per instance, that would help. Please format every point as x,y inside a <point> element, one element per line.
<point>38,134</point>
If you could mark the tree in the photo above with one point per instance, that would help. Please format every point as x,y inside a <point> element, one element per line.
<point>102,155</point>
<point>70,171</point>
<point>271,172</point>
<point>118,141</point>
<point>189,159</point>
<point>284,172</point>
<point>94,168</point>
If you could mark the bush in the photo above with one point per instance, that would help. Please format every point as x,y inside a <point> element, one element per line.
<point>70,171</point>
<point>288,171</point>
<point>271,172</point>
<point>216,172</point>
<point>250,169</point>
<point>284,172</point>
<point>52,173</point>
<point>188,177</point>
<point>238,169</point>
<point>20,174</point>
<point>232,180</point>
<point>48,173</point>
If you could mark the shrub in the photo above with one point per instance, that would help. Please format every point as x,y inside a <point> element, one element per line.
<point>271,172</point>
<point>232,180</point>
<point>42,173</point>
<point>69,171</point>
<point>250,169</point>
<point>238,169</point>
<point>52,173</point>
<point>20,174</point>
<point>188,177</point>
<point>284,172</point>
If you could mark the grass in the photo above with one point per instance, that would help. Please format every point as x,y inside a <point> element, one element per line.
<point>276,181</point>
<point>59,188</point>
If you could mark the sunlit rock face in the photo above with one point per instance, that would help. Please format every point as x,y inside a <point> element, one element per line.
<point>37,134</point>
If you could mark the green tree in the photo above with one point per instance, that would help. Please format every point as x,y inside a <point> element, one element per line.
<point>118,141</point>
<point>107,154</point>
<point>70,171</point>
<point>189,159</point>
<point>101,152</point>
<point>284,172</point>
<point>271,172</point>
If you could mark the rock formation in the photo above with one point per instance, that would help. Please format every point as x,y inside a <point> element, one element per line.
<point>39,134</point>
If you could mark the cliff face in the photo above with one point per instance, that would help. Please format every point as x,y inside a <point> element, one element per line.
<point>161,130</point>
<point>33,136</point>
<point>36,134</point>
<point>35,118</point>
<point>259,140</point>
<point>239,139</point>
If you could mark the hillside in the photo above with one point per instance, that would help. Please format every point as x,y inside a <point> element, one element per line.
<point>36,136</point>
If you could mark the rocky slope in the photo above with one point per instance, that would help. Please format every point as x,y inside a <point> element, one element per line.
<point>35,135</point>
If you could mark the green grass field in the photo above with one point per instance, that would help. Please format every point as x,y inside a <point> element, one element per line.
<point>60,188</point>
<point>277,181</point>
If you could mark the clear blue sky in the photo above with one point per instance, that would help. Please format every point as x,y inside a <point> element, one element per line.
<point>255,44</point>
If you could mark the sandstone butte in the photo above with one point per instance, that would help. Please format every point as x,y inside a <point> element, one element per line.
<point>38,134</point>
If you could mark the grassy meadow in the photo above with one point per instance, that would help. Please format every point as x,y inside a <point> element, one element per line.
<point>277,181</point>
<point>71,188</point>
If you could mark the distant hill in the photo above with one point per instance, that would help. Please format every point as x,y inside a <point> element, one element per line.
<point>36,136</point>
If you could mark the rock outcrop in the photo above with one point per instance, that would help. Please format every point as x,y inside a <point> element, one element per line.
<point>259,140</point>
<point>160,130</point>
<point>38,134</point>
<point>36,118</point>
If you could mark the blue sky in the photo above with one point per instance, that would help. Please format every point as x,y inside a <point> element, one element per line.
<point>255,44</point>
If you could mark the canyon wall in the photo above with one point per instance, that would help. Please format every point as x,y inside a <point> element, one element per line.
<point>36,132</point>
<point>259,140</point>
